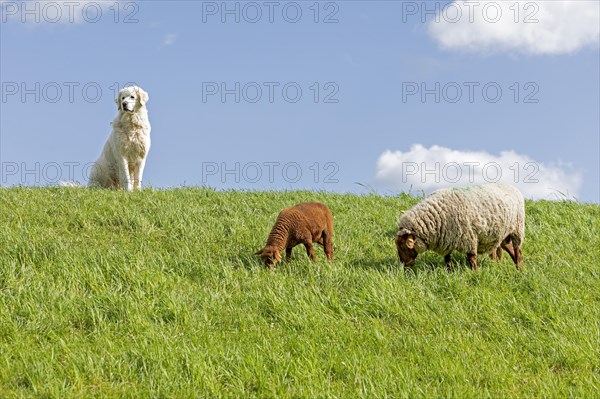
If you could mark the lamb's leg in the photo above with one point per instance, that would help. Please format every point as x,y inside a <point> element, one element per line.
<point>448,260</point>
<point>310,251</point>
<point>288,253</point>
<point>472,261</point>
<point>327,245</point>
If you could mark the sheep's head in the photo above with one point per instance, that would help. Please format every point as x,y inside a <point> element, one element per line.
<point>269,255</point>
<point>405,243</point>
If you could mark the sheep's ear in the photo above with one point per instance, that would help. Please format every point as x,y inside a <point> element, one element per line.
<point>403,232</point>
<point>259,252</point>
<point>410,242</point>
<point>277,256</point>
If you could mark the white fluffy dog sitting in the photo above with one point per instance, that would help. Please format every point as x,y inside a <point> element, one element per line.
<point>121,163</point>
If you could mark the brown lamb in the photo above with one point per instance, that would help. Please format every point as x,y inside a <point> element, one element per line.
<point>304,223</point>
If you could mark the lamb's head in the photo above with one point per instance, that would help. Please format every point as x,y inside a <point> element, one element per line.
<point>269,255</point>
<point>405,243</point>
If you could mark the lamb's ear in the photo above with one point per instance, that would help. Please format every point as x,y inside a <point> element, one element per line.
<point>259,252</point>
<point>410,241</point>
<point>143,96</point>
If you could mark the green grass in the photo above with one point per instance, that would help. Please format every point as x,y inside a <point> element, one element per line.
<point>158,294</point>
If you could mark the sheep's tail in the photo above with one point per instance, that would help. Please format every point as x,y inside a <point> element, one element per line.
<point>520,227</point>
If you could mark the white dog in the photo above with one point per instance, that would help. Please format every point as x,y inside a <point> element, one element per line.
<point>121,163</point>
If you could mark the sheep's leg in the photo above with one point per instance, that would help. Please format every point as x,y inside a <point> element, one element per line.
<point>496,254</point>
<point>518,257</point>
<point>288,253</point>
<point>448,260</point>
<point>327,245</point>
<point>514,251</point>
<point>472,261</point>
<point>509,248</point>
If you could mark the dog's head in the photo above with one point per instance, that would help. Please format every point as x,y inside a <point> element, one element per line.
<point>131,98</point>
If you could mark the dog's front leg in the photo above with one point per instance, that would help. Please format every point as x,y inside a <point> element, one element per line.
<point>138,173</point>
<point>124,177</point>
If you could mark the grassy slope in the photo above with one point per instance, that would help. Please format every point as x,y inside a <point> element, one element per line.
<point>157,293</point>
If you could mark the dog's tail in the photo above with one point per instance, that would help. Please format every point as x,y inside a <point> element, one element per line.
<point>69,184</point>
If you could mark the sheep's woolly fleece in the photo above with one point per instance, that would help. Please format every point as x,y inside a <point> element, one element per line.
<point>474,219</point>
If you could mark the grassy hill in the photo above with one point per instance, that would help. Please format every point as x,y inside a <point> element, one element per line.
<point>158,294</point>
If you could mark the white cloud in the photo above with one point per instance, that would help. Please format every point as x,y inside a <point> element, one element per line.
<point>429,169</point>
<point>562,26</point>
<point>169,39</point>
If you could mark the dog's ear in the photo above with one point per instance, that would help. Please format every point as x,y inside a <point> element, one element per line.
<point>118,101</point>
<point>259,252</point>
<point>277,256</point>
<point>143,96</point>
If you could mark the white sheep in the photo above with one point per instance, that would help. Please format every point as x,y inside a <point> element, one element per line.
<point>472,220</point>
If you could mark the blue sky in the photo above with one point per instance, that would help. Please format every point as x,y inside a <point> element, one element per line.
<point>358,118</point>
